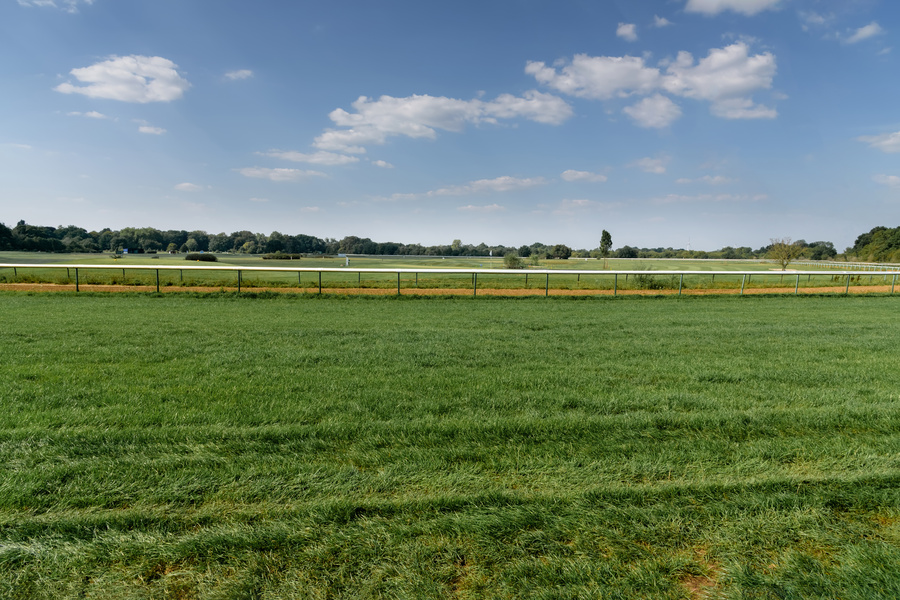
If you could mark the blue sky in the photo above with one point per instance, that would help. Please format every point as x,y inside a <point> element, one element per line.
<point>683,123</point>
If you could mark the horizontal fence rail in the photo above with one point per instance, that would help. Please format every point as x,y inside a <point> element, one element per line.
<point>889,275</point>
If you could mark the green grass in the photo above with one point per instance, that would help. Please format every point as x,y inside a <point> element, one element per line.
<point>279,446</point>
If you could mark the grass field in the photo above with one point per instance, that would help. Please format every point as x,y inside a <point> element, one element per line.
<point>134,271</point>
<point>280,446</point>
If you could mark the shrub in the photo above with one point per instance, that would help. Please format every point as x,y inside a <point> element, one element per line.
<point>201,256</point>
<point>512,261</point>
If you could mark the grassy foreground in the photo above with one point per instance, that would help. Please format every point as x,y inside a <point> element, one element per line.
<point>278,446</point>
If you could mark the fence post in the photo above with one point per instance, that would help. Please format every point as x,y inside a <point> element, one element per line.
<point>680,283</point>
<point>547,288</point>
<point>743,279</point>
<point>474,284</point>
<point>76,279</point>
<point>847,290</point>
<point>893,281</point>
<point>797,286</point>
<point>239,281</point>
<point>615,284</point>
<point>157,281</point>
<point>320,282</point>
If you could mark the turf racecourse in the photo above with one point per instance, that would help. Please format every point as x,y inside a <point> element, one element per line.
<point>286,446</point>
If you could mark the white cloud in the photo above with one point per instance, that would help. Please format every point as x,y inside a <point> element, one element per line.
<point>661,21</point>
<point>891,180</point>
<point>259,199</point>
<point>420,116</point>
<point>149,129</point>
<point>317,158</point>
<point>886,142</point>
<point>572,175</point>
<point>383,164</point>
<point>598,77</point>
<point>490,208</point>
<point>310,209</point>
<point>188,187</point>
<point>93,114</point>
<point>809,19</point>
<point>745,7</point>
<point>708,179</point>
<point>681,199</point>
<point>278,174</point>
<point>864,33</point>
<point>70,6</point>
<point>481,186</point>
<point>132,78</point>
<point>656,166</point>
<point>239,74</point>
<point>727,78</point>
<point>627,31</point>
<point>657,111</point>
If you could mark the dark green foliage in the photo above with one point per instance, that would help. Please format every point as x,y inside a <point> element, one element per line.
<point>201,257</point>
<point>880,244</point>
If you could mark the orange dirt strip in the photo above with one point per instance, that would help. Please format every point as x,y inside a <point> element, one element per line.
<point>52,287</point>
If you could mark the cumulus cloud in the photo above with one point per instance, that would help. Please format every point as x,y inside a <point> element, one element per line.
<point>421,116</point>
<point>316,158</point>
<point>188,187</point>
<point>726,78</point>
<point>627,31</point>
<point>383,164</point>
<point>482,209</point>
<point>239,74</point>
<point>891,180</point>
<point>572,175</point>
<point>150,130</point>
<point>661,21</point>
<point>598,77</point>
<point>657,166</point>
<point>744,7</point>
<point>132,78</point>
<point>657,111</point>
<point>278,174</point>
<point>70,6</point>
<point>864,33</point>
<point>886,142</point>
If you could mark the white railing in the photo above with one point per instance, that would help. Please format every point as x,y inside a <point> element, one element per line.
<point>745,276</point>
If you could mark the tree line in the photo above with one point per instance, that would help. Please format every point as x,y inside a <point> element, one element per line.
<point>879,244</point>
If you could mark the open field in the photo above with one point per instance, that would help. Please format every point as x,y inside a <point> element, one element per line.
<point>282,446</point>
<point>138,270</point>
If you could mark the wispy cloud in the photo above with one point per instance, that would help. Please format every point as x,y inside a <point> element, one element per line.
<point>744,7</point>
<point>657,166</point>
<point>660,22</point>
<point>891,180</point>
<point>679,198</point>
<point>383,164</point>
<point>70,6</point>
<point>587,176</point>
<point>188,187</point>
<point>863,33</point>
<point>316,158</point>
<point>239,74</point>
<point>149,129</point>
<point>90,115</point>
<point>278,174</point>
<point>490,208</point>
<point>707,179</point>
<point>886,142</point>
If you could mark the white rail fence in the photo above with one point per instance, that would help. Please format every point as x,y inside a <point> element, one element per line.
<point>889,273</point>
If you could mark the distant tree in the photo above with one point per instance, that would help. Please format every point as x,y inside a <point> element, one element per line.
<point>524,251</point>
<point>783,251</point>
<point>627,252</point>
<point>560,251</point>
<point>171,248</point>
<point>511,260</point>
<point>605,243</point>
